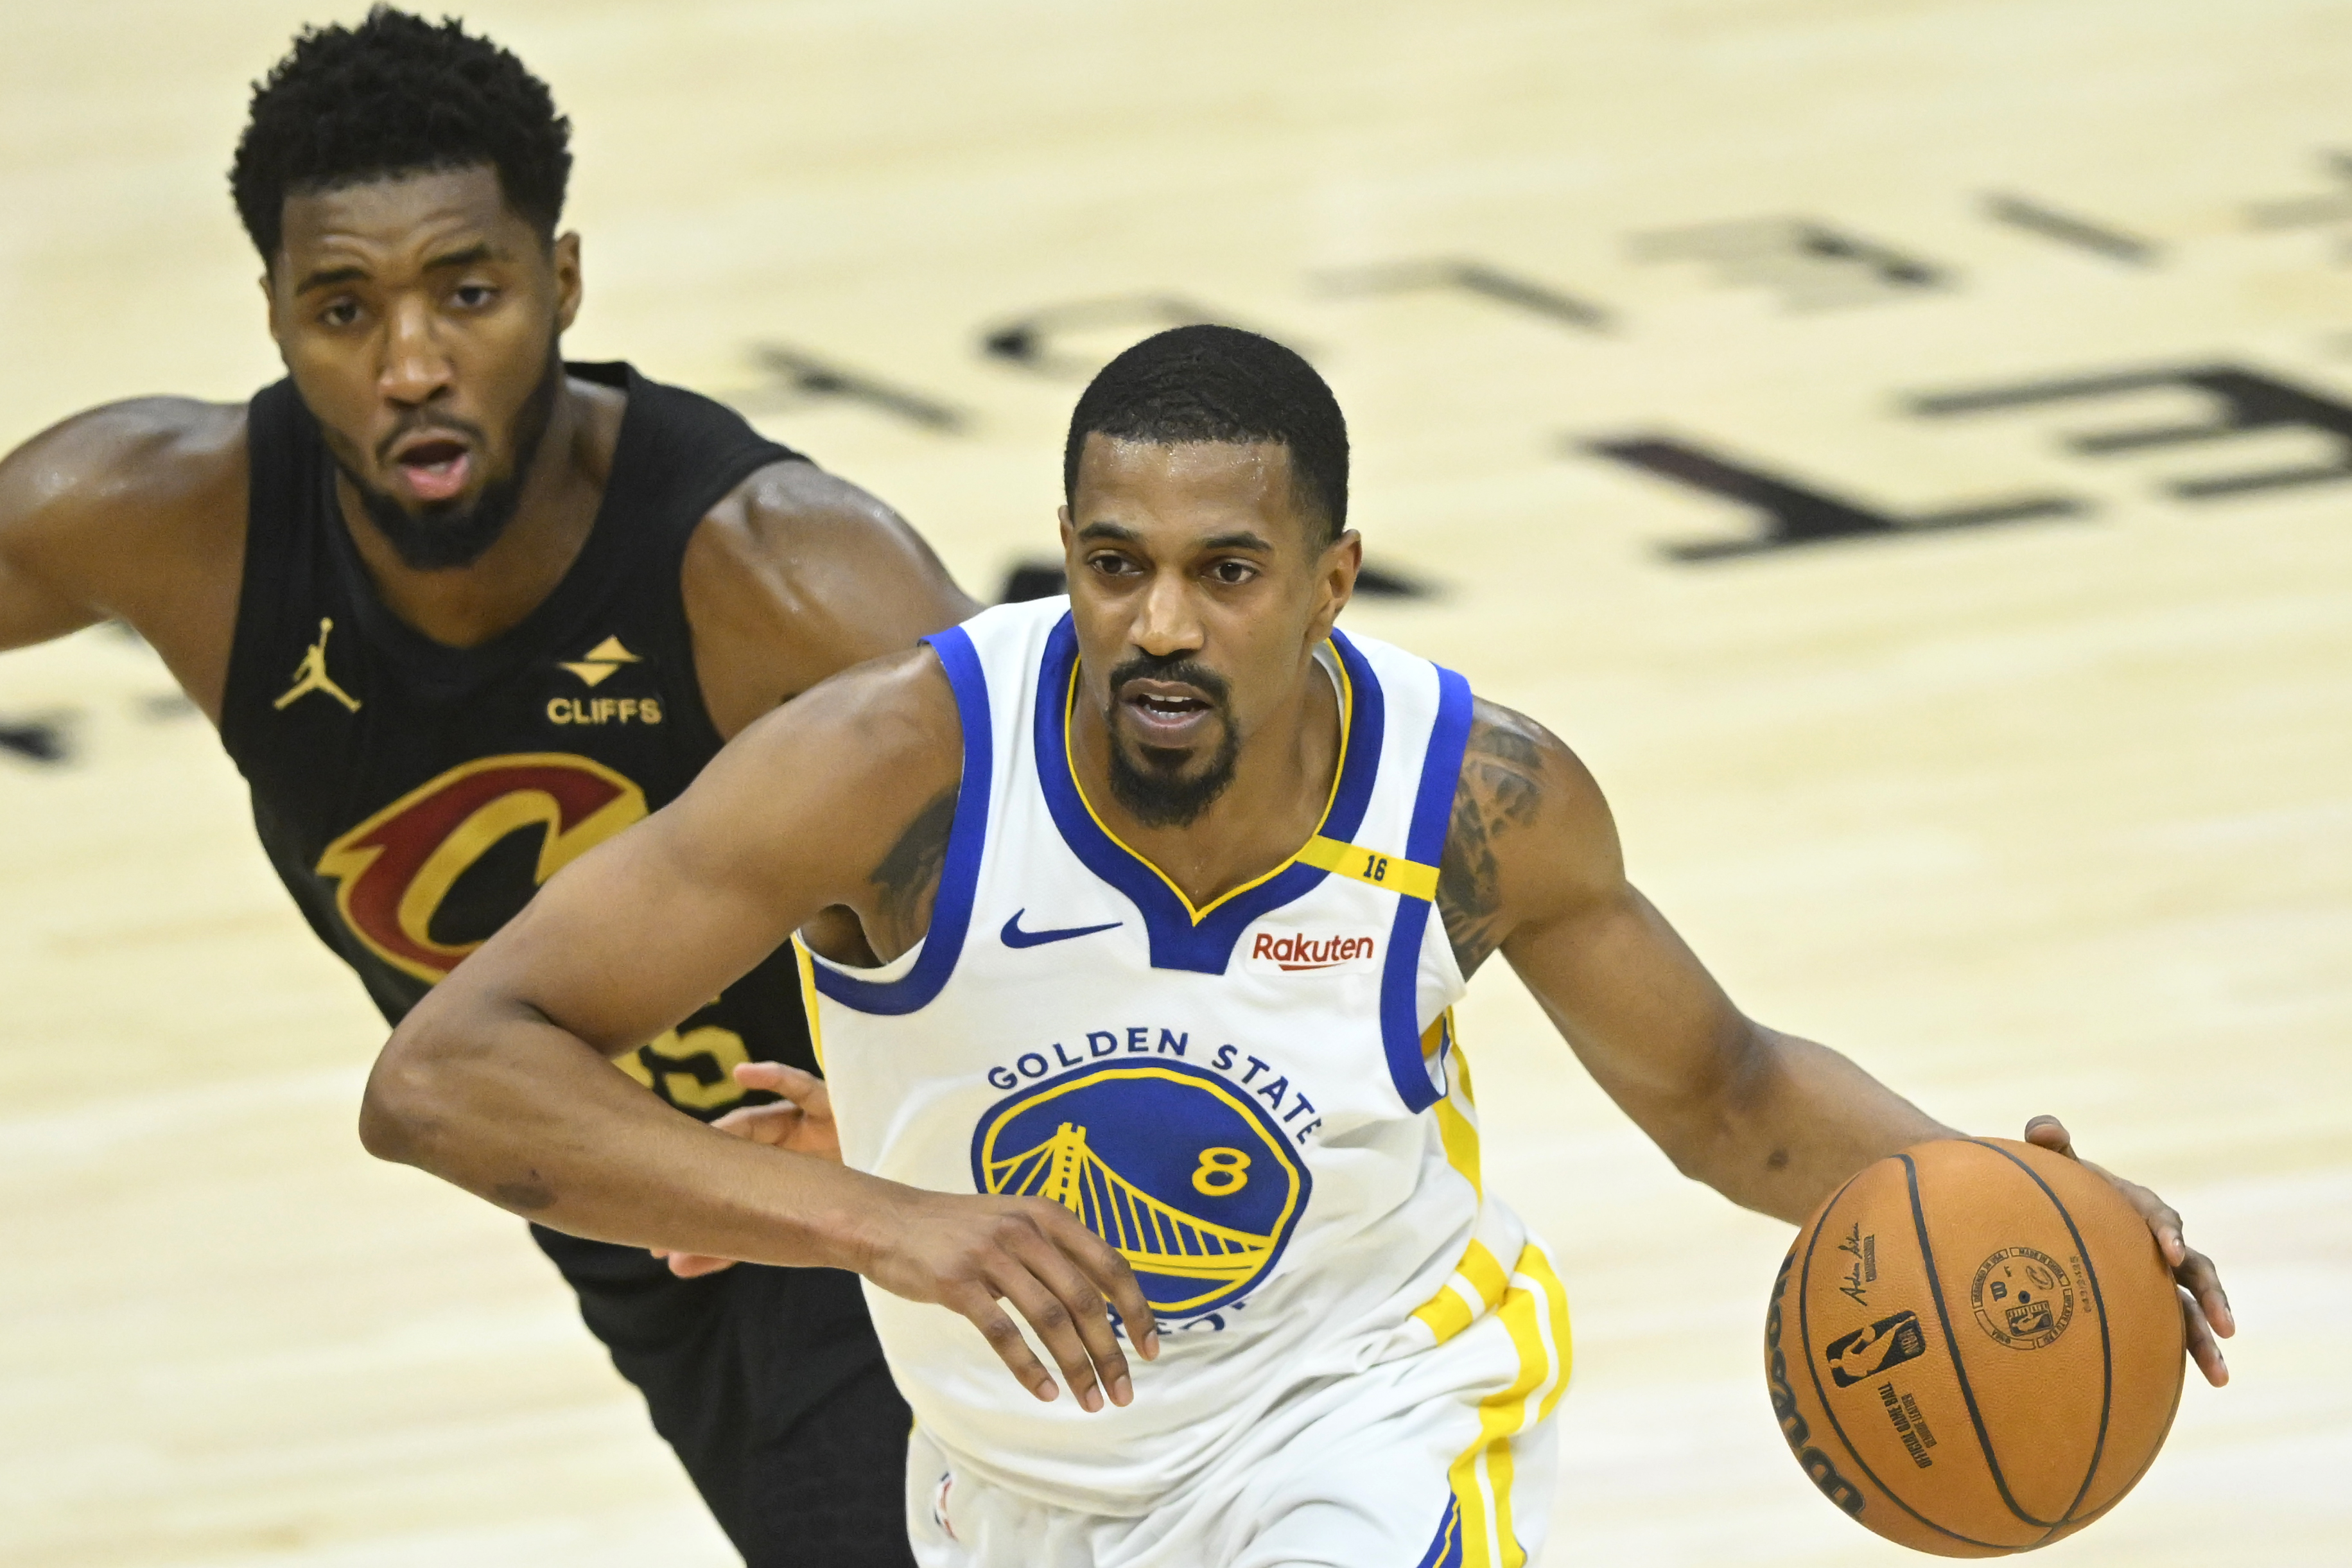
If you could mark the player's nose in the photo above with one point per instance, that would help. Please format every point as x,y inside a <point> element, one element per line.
<point>1167,621</point>
<point>415,369</point>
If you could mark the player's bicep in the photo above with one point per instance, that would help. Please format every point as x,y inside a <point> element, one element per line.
<point>37,501</point>
<point>1626,991</point>
<point>861,582</point>
<point>786,821</point>
<point>109,509</point>
<point>642,930</point>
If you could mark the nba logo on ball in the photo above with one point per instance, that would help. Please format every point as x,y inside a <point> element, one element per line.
<point>1191,1180</point>
<point>1865,1352</point>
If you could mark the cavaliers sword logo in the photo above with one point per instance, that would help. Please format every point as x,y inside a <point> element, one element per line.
<point>392,871</point>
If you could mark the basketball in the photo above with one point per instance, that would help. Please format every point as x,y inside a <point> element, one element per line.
<point>1974,1348</point>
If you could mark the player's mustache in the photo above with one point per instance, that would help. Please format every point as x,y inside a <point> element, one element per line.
<point>1173,666</point>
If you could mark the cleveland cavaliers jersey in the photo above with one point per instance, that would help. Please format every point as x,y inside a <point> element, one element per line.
<point>1259,1101</point>
<point>412,796</point>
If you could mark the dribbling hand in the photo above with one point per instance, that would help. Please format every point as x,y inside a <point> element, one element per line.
<point>2204,1305</point>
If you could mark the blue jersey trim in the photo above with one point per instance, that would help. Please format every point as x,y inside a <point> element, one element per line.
<point>1177,940</point>
<point>951,909</point>
<point>1445,1547</point>
<point>1432,812</point>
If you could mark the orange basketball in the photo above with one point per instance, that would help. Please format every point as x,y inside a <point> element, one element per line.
<point>1974,1348</point>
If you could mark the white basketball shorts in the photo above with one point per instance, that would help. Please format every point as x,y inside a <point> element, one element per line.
<point>1443,1458</point>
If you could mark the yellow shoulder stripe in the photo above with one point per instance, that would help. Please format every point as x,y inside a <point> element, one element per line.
<point>1393,873</point>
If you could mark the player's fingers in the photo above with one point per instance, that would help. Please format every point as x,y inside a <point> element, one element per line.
<point>1085,1304</point>
<point>2203,1348</point>
<point>2203,1282</point>
<point>2048,1132</point>
<point>777,1078</point>
<point>1003,1336</point>
<point>1101,1263</point>
<point>772,1124</point>
<point>1118,1282</point>
<point>2163,1219</point>
<point>760,1074</point>
<point>748,1119</point>
<point>694,1264</point>
<point>1056,1326</point>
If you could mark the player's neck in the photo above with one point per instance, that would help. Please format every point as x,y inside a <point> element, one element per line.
<point>467,606</point>
<point>1282,783</point>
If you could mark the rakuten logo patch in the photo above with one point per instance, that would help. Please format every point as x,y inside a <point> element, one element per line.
<point>1289,952</point>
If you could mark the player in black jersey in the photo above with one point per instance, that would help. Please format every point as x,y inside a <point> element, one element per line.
<point>461,612</point>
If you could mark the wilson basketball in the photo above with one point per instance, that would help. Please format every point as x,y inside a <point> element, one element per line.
<point>1974,1347</point>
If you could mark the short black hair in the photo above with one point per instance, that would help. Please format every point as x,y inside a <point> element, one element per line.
<point>397,95</point>
<point>1220,384</point>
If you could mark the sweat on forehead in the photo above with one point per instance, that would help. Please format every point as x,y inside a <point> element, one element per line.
<point>1213,492</point>
<point>1222,386</point>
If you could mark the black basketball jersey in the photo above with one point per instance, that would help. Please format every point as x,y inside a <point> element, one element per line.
<point>413,795</point>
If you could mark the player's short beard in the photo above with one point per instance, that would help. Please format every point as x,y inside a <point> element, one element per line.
<point>443,536</point>
<point>1155,789</point>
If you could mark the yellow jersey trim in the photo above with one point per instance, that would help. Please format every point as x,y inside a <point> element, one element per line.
<point>809,998</point>
<point>1533,1310</point>
<point>1391,873</point>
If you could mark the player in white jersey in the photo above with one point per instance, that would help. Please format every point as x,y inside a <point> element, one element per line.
<point>1116,917</point>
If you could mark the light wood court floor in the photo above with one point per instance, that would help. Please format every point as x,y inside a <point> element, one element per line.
<point>2052,813</point>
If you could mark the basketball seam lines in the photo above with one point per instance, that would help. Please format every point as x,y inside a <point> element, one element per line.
<point>1805,1346</point>
<point>1952,1344</point>
<point>2106,1339</point>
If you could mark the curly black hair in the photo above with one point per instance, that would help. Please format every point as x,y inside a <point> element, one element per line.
<point>397,95</point>
<point>1220,384</point>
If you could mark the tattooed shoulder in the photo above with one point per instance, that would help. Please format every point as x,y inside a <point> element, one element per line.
<point>907,877</point>
<point>1501,792</point>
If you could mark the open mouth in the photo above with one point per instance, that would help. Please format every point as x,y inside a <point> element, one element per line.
<point>1166,714</point>
<point>436,467</point>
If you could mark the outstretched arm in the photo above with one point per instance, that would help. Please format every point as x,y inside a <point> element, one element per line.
<point>496,1081</point>
<point>1774,1122</point>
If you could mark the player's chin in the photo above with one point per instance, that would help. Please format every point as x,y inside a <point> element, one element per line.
<point>1171,767</point>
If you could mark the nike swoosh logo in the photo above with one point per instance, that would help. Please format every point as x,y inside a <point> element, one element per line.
<point>1015,937</point>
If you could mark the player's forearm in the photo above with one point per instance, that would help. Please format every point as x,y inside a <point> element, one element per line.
<point>526,1115</point>
<point>1792,1121</point>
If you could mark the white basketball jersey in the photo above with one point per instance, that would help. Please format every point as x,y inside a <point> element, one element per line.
<point>1257,1102</point>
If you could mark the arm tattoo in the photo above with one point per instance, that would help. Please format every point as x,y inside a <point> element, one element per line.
<point>909,876</point>
<point>1501,788</point>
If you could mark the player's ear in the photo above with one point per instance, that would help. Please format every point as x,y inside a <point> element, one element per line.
<point>564,254</point>
<point>1335,581</point>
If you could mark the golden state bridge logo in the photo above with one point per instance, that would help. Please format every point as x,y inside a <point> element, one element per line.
<point>1192,1182</point>
<point>394,872</point>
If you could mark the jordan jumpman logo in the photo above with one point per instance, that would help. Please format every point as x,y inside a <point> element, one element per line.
<point>311,675</point>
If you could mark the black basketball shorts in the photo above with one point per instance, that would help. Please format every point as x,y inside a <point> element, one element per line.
<point>769,1385</point>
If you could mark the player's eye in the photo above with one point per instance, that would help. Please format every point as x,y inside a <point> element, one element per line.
<point>1232,572</point>
<point>1110,563</point>
<point>342,313</point>
<point>473,296</point>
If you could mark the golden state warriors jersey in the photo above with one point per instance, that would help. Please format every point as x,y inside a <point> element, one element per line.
<point>1258,1103</point>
